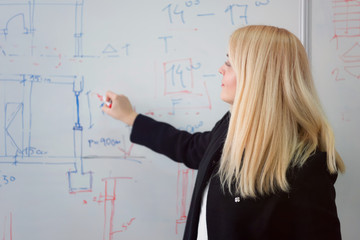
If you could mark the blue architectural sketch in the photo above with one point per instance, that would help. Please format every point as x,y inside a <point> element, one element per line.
<point>5,31</point>
<point>22,118</point>
<point>109,49</point>
<point>30,117</point>
<point>24,18</point>
<point>13,129</point>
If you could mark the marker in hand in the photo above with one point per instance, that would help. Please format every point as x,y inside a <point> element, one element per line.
<point>103,99</point>
<point>119,107</point>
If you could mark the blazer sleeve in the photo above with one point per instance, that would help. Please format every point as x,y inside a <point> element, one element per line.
<point>180,146</point>
<point>310,211</point>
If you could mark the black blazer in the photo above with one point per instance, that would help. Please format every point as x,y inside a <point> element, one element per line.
<point>307,212</point>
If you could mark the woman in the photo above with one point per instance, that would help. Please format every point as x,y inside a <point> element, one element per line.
<point>268,167</point>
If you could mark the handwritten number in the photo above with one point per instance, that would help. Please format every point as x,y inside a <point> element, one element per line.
<point>168,7</point>
<point>191,3</point>
<point>195,67</point>
<point>5,179</point>
<point>188,3</point>
<point>180,73</point>
<point>175,11</point>
<point>181,13</point>
<point>336,72</point>
<point>244,12</point>
<point>259,3</point>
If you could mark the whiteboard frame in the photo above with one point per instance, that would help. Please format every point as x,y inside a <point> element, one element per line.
<point>305,9</point>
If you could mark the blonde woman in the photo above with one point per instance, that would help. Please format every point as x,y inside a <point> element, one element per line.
<point>268,167</point>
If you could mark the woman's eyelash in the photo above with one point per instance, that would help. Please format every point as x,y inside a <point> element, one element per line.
<point>227,63</point>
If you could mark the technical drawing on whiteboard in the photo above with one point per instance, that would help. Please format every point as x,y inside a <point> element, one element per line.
<point>109,199</point>
<point>6,227</point>
<point>180,90</point>
<point>185,185</point>
<point>345,19</point>
<point>22,34</point>
<point>26,126</point>
<point>347,27</point>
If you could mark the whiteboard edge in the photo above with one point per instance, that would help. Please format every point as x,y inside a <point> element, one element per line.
<point>305,25</point>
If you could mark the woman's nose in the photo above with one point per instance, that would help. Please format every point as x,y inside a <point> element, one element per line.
<point>221,70</point>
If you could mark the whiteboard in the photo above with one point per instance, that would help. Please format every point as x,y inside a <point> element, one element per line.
<point>336,68</point>
<point>67,170</point>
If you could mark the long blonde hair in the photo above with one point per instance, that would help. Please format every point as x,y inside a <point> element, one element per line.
<point>276,120</point>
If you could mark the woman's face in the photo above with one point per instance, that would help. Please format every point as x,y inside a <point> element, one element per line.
<point>228,83</point>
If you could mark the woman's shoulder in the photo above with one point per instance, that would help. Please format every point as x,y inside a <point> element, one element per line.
<point>223,122</point>
<point>313,172</point>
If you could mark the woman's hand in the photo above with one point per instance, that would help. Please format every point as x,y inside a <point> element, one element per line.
<point>120,108</point>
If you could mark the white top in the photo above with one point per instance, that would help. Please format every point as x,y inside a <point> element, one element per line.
<point>202,228</point>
